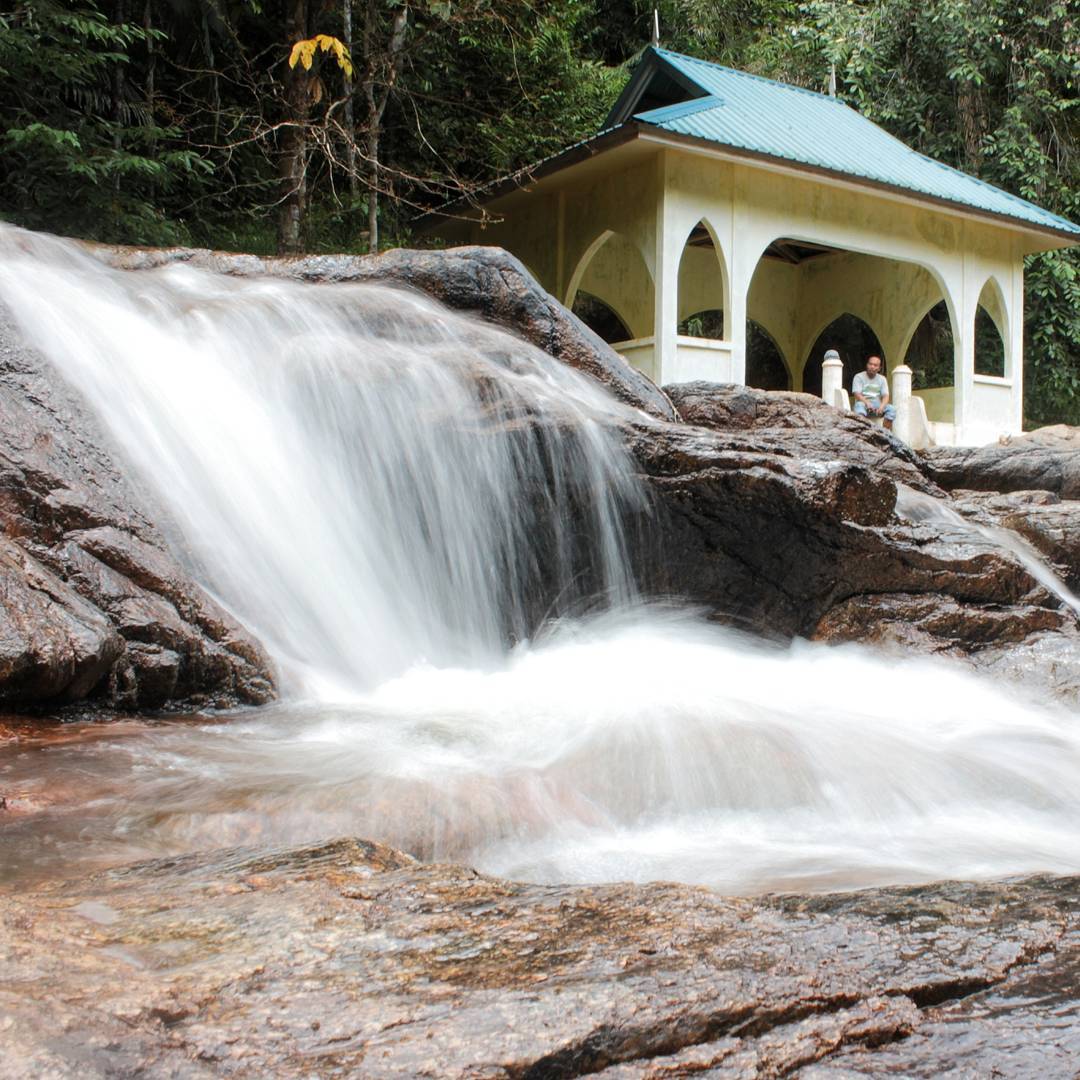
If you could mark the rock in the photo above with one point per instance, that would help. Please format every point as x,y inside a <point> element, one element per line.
<point>780,518</point>
<point>800,426</point>
<point>97,607</point>
<point>53,643</point>
<point>1050,524</point>
<point>772,542</point>
<point>350,959</point>
<point>1058,436</point>
<point>484,281</point>
<point>1021,465</point>
<point>1031,647</point>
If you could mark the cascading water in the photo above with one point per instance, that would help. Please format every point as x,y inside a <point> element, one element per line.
<point>393,496</point>
<point>366,478</point>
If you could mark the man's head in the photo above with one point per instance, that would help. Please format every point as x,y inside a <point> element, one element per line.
<point>873,365</point>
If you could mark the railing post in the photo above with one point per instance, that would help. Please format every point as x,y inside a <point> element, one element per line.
<point>832,377</point>
<point>901,399</point>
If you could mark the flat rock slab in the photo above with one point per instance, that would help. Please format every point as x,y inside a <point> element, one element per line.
<point>350,959</point>
<point>1016,466</point>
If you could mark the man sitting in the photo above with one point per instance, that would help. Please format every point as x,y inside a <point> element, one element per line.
<point>870,389</point>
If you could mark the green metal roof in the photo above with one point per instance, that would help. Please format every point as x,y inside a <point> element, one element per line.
<point>750,113</point>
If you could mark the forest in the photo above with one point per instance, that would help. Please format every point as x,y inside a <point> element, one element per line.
<point>319,125</point>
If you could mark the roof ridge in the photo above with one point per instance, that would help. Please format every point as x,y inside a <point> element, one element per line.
<point>679,109</point>
<point>751,75</point>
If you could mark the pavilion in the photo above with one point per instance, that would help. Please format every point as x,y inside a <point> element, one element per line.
<point>720,217</point>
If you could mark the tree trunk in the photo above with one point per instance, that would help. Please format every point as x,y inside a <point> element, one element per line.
<point>350,123</point>
<point>215,85</point>
<point>151,55</point>
<point>118,97</point>
<point>373,171</point>
<point>372,141</point>
<point>376,104</point>
<point>292,162</point>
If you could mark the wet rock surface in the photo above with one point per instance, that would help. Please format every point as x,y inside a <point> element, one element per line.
<point>1050,524</point>
<point>779,513</point>
<point>93,605</point>
<point>799,426</point>
<point>1021,465</point>
<point>786,543</point>
<point>350,959</point>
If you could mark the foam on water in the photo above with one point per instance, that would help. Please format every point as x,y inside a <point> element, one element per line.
<point>356,472</point>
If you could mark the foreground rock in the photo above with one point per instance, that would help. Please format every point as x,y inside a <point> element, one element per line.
<point>350,959</point>
<point>93,606</point>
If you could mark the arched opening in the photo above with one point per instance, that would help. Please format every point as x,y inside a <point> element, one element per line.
<point>765,365</point>
<point>701,285</point>
<point>703,324</point>
<point>613,272</point>
<point>990,331</point>
<point>601,318</point>
<point>931,355</point>
<point>853,339</point>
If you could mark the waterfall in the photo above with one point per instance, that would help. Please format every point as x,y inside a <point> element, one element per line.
<point>407,507</point>
<point>367,479</point>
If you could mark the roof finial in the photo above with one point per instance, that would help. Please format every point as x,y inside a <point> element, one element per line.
<point>656,28</point>
<point>832,79</point>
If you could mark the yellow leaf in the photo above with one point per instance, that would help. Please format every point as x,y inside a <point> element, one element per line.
<point>303,52</point>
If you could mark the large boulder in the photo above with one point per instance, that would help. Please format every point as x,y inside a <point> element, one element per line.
<point>93,604</point>
<point>351,959</point>
<point>773,541</point>
<point>780,514</point>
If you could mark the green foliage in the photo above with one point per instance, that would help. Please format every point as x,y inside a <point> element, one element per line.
<point>80,155</point>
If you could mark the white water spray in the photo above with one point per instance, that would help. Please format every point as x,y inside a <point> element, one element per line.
<point>358,469</point>
<point>369,480</point>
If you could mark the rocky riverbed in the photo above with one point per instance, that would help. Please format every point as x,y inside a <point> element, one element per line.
<point>350,959</point>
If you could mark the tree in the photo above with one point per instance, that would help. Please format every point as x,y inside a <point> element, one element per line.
<point>84,151</point>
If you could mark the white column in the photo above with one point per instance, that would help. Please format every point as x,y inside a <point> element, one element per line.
<point>1014,346</point>
<point>964,346</point>
<point>832,380</point>
<point>901,400</point>
<point>738,287</point>
<point>665,283</point>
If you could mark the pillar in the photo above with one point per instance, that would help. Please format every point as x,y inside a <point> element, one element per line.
<point>832,380</point>
<point>901,400</point>
<point>1014,346</point>
<point>665,281</point>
